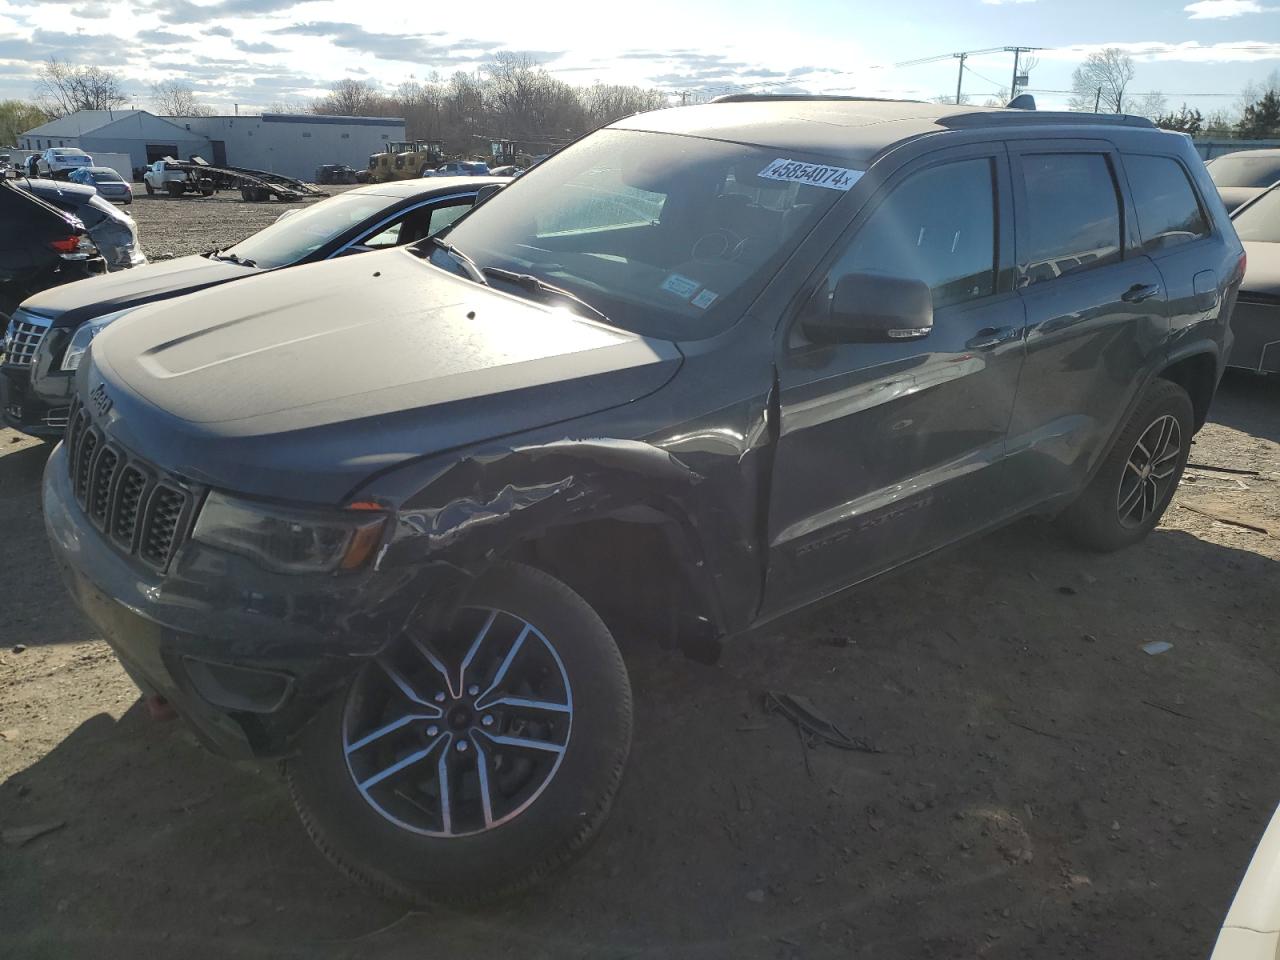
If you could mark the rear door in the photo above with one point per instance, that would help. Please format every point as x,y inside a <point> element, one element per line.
<point>1174,226</point>
<point>1095,312</point>
<point>890,450</point>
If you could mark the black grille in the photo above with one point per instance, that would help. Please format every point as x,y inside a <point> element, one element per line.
<point>124,522</point>
<point>164,511</point>
<point>84,463</point>
<point>142,515</point>
<point>99,496</point>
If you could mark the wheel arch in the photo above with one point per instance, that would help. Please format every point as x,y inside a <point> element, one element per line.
<point>613,519</point>
<point>1197,372</point>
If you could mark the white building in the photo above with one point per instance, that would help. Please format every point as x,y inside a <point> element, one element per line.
<point>142,136</point>
<point>292,144</point>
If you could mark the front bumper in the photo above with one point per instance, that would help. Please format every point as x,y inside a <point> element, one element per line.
<point>245,656</point>
<point>23,410</point>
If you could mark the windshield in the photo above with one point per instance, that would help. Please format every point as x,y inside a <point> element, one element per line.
<point>289,240</point>
<point>105,176</point>
<point>1261,219</point>
<point>1245,171</point>
<point>667,235</point>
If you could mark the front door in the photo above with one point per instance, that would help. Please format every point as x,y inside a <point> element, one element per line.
<point>1096,313</point>
<point>889,450</point>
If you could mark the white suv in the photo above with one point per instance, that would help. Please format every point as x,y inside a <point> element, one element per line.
<point>62,160</point>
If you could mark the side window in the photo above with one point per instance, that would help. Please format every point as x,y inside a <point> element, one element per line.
<point>387,237</point>
<point>1168,211</point>
<point>1073,214</point>
<point>442,217</point>
<point>938,226</point>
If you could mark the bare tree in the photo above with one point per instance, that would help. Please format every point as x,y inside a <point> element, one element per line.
<point>173,98</point>
<point>354,98</point>
<point>62,88</point>
<point>1102,80</point>
<point>605,102</point>
<point>1150,105</point>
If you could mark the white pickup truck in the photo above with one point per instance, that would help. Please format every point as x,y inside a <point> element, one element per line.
<point>166,176</point>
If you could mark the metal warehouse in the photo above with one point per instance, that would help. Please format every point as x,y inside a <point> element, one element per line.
<point>292,144</point>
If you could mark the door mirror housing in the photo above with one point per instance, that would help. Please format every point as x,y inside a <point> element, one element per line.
<point>874,308</point>
<point>487,191</point>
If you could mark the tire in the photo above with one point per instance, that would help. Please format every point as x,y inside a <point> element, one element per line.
<point>1122,504</point>
<point>151,191</point>
<point>175,189</point>
<point>480,854</point>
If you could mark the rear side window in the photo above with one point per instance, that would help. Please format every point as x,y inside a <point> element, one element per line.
<point>1168,211</point>
<point>1073,214</point>
<point>937,226</point>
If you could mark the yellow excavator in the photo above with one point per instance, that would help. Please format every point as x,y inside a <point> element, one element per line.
<point>405,160</point>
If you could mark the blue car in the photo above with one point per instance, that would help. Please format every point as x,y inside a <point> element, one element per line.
<point>109,184</point>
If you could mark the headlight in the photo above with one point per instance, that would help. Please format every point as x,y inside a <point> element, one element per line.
<point>83,336</point>
<point>287,540</point>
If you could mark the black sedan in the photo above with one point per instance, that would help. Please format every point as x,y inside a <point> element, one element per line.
<point>58,325</point>
<point>1256,320</point>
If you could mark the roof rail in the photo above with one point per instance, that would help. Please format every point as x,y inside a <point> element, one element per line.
<point>995,118</point>
<point>768,97</point>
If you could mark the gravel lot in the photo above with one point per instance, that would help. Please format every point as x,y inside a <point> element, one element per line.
<point>1046,788</point>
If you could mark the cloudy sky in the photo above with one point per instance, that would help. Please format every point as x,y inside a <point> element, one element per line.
<point>255,52</point>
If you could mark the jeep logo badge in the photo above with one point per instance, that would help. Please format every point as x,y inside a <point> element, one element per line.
<point>101,402</point>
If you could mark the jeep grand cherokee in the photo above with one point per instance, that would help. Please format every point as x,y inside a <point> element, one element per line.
<point>383,516</point>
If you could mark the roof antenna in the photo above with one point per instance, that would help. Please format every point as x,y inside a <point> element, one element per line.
<point>1023,101</point>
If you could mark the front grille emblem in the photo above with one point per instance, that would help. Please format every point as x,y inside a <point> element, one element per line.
<point>101,402</point>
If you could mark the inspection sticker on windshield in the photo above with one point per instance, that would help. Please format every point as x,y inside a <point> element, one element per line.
<point>814,174</point>
<point>681,286</point>
<point>705,299</point>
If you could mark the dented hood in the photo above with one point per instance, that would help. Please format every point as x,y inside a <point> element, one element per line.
<point>301,383</point>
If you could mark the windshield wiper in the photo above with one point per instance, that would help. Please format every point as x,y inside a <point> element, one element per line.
<point>529,282</point>
<point>233,258</point>
<point>474,272</point>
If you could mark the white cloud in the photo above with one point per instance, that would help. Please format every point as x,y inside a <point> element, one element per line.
<point>1232,51</point>
<point>1224,9</point>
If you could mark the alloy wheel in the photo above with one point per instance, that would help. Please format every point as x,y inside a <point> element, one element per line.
<point>1148,473</point>
<point>459,733</point>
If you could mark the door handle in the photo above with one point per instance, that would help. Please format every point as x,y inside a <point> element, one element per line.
<point>989,337</point>
<point>1139,292</point>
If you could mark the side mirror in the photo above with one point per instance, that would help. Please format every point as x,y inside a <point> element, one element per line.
<point>487,191</point>
<point>874,308</point>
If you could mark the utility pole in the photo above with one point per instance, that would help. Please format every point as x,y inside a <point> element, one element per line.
<point>962,57</point>
<point>1097,100</point>
<point>1013,84</point>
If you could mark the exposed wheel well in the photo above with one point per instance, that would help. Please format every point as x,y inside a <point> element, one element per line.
<point>1197,375</point>
<point>641,583</point>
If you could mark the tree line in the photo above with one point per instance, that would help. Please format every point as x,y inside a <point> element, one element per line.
<point>509,98</point>
<point>1102,83</point>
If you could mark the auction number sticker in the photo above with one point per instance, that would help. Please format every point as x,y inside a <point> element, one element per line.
<point>814,174</point>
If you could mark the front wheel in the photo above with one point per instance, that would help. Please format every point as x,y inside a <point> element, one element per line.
<point>151,191</point>
<point>1136,482</point>
<point>467,762</point>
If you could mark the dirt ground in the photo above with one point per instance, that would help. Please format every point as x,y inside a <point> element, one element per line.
<point>1046,788</point>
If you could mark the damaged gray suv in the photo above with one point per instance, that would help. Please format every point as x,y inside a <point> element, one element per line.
<point>383,517</point>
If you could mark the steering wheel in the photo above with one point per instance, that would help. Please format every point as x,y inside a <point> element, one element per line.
<point>719,246</point>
